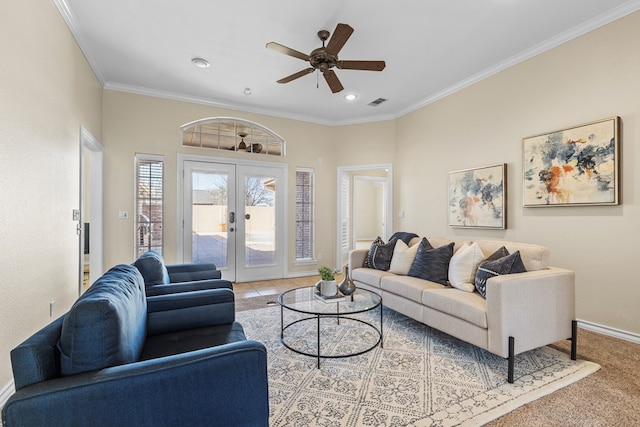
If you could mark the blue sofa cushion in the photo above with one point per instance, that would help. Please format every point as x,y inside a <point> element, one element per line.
<point>191,339</point>
<point>107,325</point>
<point>151,266</point>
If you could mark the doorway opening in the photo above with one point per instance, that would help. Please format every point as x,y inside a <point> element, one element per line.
<point>90,217</point>
<point>365,207</point>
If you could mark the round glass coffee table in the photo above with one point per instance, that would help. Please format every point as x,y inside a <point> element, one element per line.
<point>336,324</point>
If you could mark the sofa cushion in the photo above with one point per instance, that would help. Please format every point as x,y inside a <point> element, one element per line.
<point>407,286</point>
<point>370,276</point>
<point>432,264</point>
<point>107,325</point>
<point>463,305</point>
<point>402,259</point>
<point>151,266</point>
<point>369,259</point>
<point>382,254</point>
<point>509,264</point>
<point>463,266</point>
<point>534,257</point>
<point>191,339</point>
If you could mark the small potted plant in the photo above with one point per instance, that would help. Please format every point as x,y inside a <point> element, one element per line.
<point>327,285</point>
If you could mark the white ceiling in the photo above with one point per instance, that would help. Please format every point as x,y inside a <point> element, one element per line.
<point>431,48</point>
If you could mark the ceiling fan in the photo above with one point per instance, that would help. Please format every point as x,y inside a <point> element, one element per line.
<point>324,58</point>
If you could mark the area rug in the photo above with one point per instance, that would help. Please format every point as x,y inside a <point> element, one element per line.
<point>422,377</point>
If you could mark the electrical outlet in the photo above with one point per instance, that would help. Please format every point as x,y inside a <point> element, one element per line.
<point>52,308</point>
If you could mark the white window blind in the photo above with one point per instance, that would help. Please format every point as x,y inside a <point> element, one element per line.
<point>149,203</point>
<point>304,214</point>
<point>345,198</point>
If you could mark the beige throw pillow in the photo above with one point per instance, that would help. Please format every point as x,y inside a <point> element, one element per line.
<point>402,259</point>
<point>463,266</point>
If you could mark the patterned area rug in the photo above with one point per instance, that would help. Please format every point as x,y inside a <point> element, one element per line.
<point>422,377</point>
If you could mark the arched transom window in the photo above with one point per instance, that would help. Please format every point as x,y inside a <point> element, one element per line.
<point>225,133</point>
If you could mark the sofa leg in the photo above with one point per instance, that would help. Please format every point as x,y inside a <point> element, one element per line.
<point>512,357</point>
<point>574,339</point>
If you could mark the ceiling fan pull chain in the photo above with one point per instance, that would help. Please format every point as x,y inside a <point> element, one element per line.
<point>317,79</point>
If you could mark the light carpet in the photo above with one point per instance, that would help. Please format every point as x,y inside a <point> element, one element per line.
<point>422,377</point>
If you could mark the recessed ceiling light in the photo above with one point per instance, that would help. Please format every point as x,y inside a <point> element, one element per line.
<point>200,62</point>
<point>351,97</point>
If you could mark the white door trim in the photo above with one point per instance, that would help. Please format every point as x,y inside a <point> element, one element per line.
<point>96,160</point>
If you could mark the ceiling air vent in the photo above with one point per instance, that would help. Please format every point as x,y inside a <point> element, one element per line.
<point>377,102</point>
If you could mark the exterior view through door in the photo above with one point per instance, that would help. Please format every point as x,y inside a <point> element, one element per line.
<point>233,216</point>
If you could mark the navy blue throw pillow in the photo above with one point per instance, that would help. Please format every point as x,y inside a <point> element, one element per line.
<point>509,264</point>
<point>432,264</point>
<point>382,255</point>
<point>368,261</point>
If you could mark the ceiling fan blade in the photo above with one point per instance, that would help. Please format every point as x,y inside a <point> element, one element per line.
<point>340,36</point>
<point>287,51</point>
<point>297,75</point>
<point>333,81</point>
<point>361,65</point>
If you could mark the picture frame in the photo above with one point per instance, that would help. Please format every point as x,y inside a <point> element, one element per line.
<point>478,197</point>
<point>575,166</point>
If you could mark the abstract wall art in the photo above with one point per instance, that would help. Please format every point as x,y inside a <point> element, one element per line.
<point>576,166</point>
<point>477,197</point>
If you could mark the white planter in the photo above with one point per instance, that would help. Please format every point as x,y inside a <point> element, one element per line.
<point>327,288</point>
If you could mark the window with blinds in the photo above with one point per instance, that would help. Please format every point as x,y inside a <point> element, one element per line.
<point>304,215</point>
<point>345,198</point>
<point>149,200</point>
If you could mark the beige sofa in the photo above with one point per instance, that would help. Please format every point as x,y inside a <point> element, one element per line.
<point>522,311</point>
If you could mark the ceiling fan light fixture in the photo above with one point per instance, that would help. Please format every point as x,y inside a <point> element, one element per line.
<point>200,62</point>
<point>351,97</point>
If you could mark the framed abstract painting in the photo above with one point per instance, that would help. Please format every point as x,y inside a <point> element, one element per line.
<point>477,197</point>
<point>577,166</point>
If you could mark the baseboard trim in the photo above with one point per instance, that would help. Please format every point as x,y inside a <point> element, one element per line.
<point>612,332</point>
<point>293,275</point>
<point>6,393</point>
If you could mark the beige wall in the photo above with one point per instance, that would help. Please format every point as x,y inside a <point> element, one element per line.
<point>47,91</point>
<point>593,77</point>
<point>135,123</point>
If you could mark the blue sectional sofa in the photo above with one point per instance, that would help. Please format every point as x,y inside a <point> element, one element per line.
<point>121,358</point>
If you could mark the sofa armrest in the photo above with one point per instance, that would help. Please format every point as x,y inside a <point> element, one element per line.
<point>198,285</point>
<point>536,308</point>
<point>190,272</point>
<point>357,257</point>
<point>225,384</point>
<point>188,310</point>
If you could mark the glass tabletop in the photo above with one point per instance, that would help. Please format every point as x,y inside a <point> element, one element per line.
<point>304,300</point>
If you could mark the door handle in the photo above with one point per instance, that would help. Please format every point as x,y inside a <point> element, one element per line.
<point>232,217</point>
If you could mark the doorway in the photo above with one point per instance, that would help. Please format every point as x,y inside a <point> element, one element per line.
<point>365,199</point>
<point>233,216</point>
<point>89,216</point>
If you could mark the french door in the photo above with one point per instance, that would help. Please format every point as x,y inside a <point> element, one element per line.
<point>233,216</point>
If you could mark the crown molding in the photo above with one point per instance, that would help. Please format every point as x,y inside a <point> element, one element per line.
<point>621,11</point>
<point>70,20</point>
<point>572,33</point>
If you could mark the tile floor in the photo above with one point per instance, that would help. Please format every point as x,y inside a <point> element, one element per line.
<point>272,287</point>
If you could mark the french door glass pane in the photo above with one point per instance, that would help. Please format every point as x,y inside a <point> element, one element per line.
<point>260,220</point>
<point>209,217</point>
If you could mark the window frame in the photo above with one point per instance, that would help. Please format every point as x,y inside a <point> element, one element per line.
<point>312,259</point>
<point>138,247</point>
